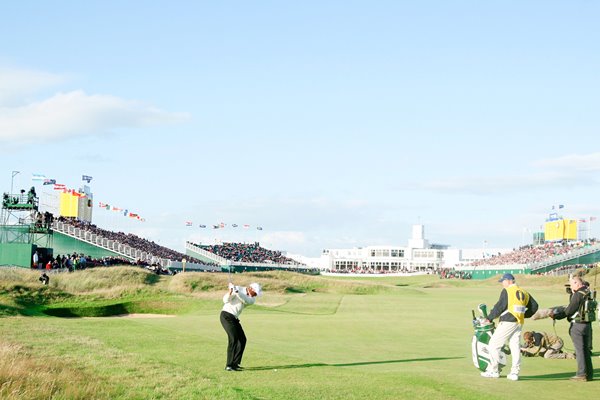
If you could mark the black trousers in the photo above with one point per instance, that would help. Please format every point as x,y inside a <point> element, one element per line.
<point>236,339</point>
<point>580,334</point>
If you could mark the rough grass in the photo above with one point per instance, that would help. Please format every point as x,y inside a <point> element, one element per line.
<point>26,376</point>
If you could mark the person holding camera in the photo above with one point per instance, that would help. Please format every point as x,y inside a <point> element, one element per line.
<point>235,300</point>
<point>544,345</point>
<point>580,315</point>
<point>514,305</point>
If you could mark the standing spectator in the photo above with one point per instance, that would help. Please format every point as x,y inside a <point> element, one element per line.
<point>581,327</point>
<point>514,305</point>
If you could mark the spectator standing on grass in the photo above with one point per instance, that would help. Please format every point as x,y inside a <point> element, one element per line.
<point>580,329</point>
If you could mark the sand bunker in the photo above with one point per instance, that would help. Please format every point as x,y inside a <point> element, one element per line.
<point>141,316</point>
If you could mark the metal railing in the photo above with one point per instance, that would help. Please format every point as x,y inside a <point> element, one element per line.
<point>575,253</point>
<point>108,244</point>
<point>207,254</point>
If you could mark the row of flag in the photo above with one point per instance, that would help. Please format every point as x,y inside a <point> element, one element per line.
<point>48,181</point>
<point>86,178</point>
<point>223,225</point>
<point>591,219</point>
<point>126,212</point>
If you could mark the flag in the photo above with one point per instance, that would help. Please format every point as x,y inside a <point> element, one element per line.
<point>259,228</point>
<point>49,181</point>
<point>202,226</point>
<point>38,177</point>
<point>188,223</point>
<point>86,178</point>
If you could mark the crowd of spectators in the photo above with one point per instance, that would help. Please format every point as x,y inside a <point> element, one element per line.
<point>451,273</point>
<point>370,271</point>
<point>245,252</point>
<point>534,253</point>
<point>132,241</point>
<point>74,262</point>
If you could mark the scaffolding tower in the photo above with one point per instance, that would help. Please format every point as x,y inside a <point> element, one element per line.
<point>23,228</point>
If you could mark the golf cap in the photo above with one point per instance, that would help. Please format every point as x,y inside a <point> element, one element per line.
<point>506,277</point>
<point>256,287</point>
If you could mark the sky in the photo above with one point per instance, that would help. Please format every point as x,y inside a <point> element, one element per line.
<point>330,124</point>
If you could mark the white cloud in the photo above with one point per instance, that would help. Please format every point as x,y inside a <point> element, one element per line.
<point>17,84</point>
<point>567,171</point>
<point>577,162</point>
<point>489,185</point>
<point>75,113</point>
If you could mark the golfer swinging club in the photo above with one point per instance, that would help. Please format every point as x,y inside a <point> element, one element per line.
<point>235,300</point>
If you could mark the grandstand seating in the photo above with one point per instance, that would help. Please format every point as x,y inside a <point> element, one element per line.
<point>543,258</point>
<point>126,245</point>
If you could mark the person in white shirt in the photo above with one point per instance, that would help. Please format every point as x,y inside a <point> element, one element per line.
<point>235,300</point>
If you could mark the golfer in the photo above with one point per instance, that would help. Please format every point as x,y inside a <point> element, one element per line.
<point>514,305</point>
<point>235,300</point>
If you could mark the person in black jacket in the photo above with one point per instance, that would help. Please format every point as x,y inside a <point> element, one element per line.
<point>513,306</point>
<point>580,329</point>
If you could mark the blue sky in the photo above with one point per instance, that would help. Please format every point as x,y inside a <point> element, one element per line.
<point>331,124</point>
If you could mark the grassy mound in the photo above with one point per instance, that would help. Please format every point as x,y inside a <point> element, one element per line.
<point>123,290</point>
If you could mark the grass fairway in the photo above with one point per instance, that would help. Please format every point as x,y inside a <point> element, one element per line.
<point>308,338</point>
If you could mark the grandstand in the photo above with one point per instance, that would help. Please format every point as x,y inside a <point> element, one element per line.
<point>548,258</point>
<point>83,237</point>
<point>240,257</point>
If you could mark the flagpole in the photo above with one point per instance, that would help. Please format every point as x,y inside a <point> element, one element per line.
<point>14,173</point>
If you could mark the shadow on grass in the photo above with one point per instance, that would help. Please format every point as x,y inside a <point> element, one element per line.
<point>292,366</point>
<point>562,376</point>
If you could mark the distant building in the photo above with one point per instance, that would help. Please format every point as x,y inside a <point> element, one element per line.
<point>418,256</point>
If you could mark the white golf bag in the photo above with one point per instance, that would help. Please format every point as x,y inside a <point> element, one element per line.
<point>481,339</point>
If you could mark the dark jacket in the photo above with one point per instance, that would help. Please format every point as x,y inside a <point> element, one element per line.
<point>575,304</point>
<point>502,305</point>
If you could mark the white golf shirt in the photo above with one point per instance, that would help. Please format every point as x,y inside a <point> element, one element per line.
<point>237,301</point>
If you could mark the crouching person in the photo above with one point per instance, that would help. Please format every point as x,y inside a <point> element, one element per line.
<point>543,345</point>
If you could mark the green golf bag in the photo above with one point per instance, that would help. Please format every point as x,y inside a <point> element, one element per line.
<point>481,339</point>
